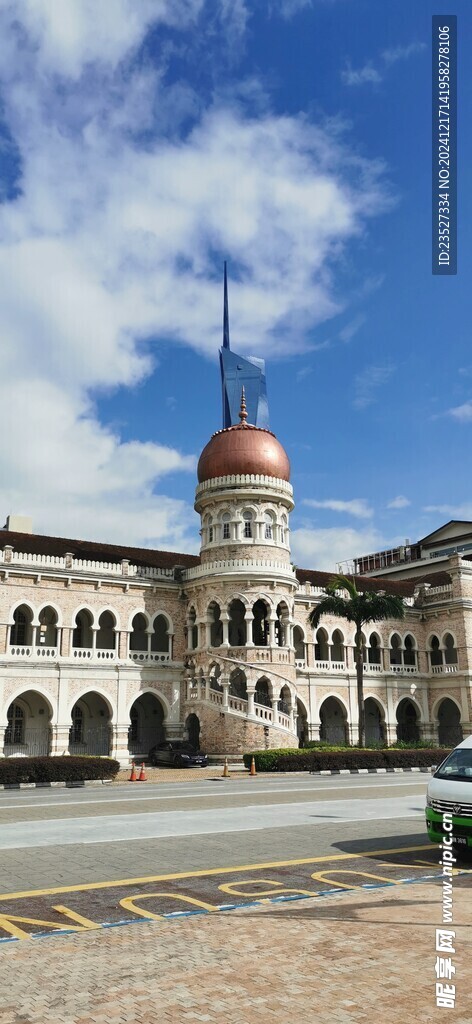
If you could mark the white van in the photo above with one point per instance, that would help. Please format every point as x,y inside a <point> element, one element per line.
<point>450,790</point>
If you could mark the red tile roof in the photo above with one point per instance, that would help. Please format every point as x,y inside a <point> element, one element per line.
<point>37,544</point>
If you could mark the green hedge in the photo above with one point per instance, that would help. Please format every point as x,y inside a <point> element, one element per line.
<point>335,759</point>
<point>14,770</point>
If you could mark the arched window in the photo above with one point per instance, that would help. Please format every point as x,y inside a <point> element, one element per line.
<point>15,730</point>
<point>210,530</point>
<point>77,729</point>
<point>450,650</point>
<point>409,653</point>
<point>82,634</point>
<point>216,626</point>
<point>237,684</point>
<point>262,693</point>
<point>299,643</point>
<point>247,519</point>
<point>47,630</point>
<point>374,649</point>
<point>236,624</point>
<point>268,526</point>
<point>337,647</point>
<point>435,654</point>
<point>226,520</point>
<point>138,640</point>
<point>260,624</point>
<point>281,624</point>
<point>192,630</point>
<point>395,650</point>
<point>106,632</point>
<point>21,630</point>
<point>321,646</point>
<point>160,636</point>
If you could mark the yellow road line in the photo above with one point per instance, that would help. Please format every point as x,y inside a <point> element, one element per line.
<point>204,872</point>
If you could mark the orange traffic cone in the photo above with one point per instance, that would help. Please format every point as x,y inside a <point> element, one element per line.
<point>225,770</point>
<point>252,770</point>
<point>133,776</point>
<point>142,775</point>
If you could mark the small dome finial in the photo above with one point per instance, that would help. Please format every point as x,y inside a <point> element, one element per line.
<point>243,410</point>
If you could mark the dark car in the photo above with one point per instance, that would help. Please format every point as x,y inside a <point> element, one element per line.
<point>178,753</point>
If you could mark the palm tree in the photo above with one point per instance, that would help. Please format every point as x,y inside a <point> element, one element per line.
<point>360,607</point>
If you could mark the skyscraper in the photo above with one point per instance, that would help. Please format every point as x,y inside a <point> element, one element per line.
<point>238,372</point>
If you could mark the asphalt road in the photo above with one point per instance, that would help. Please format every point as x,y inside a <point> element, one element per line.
<point>114,854</point>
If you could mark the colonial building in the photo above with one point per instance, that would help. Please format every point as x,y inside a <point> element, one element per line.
<point>107,649</point>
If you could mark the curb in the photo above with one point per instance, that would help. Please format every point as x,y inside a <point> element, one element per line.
<point>368,771</point>
<point>55,785</point>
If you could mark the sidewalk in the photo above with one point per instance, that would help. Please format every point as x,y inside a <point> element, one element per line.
<point>356,957</point>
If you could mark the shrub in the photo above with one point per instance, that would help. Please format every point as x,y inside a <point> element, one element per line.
<point>336,759</point>
<point>14,770</point>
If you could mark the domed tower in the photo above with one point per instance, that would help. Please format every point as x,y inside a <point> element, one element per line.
<point>244,495</point>
<point>241,672</point>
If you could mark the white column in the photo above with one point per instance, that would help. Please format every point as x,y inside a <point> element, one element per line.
<point>207,634</point>
<point>225,685</point>
<point>225,623</point>
<point>272,632</point>
<point>250,702</point>
<point>249,619</point>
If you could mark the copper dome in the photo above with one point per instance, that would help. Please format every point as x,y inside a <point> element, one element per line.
<point>243,449</point>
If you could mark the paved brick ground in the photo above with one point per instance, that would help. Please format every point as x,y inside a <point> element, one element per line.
<point>359,957</point>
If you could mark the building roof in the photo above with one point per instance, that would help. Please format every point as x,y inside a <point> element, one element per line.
<point>403,588</point>
<point>37,544</point>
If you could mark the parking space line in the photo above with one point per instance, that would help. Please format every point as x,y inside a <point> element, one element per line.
<point>207,872</point>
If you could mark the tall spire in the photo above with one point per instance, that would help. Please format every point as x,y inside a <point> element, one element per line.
<point>243,410</point>
<point>225,314</point>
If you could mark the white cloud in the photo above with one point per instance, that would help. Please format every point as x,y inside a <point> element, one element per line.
<point>399,502</point>
<point>347,333</point>
<point>115,238</point>
<point>358,507</point>
<point>462,413</point>
<point>375,74</point>
<point>367,383</point>
<point>75,477</point>
<point>323,549</point>
<point>397,53</point>
<point>359,76</point>
<point>452,511</point>
<point>288,8</point>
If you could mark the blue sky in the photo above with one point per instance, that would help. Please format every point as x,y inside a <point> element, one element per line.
<point>143,144</point>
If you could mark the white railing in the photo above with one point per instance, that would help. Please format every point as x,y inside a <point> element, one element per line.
<point>372,667</point>
<point>149,656</point>
<point>248,565</point>
<point>275,654</point>
<point>322,666</point>
<point>20,651</point>
<point>442,592</point>
<point>439,670</point>
<point>216,697</point>
<point>261,711</point>
<point>82,653</point>
<point>237,704</point>
<point>403,669</point>
<point>300,663</point>
<point>82,565</point>
<point>105,655</point>
<point>46,652</point>
<point>283,720</point>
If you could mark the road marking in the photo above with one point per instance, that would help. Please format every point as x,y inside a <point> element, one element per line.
<point>188,796</point>
<point>128,903</point>
<point>173,915</point>
<point>206,872</point>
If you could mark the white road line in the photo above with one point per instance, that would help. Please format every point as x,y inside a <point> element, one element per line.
<point>187,796</point>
